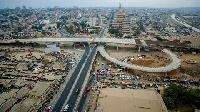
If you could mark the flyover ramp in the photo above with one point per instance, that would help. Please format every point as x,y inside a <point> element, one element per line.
<point>176,62</point>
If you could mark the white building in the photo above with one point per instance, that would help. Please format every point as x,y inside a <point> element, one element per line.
<point>92,21</point>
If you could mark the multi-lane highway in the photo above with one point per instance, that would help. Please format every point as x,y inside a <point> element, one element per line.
<point>83,100</point>
<point>78,85</point>
<point>69,85</point>
<point>102,32</point>
<point>74,96</point>
<point>89,84</point>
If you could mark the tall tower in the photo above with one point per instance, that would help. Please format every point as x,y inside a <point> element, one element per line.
<point>120,6</point>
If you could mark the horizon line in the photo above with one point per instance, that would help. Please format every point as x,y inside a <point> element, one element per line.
<point>100,7</point>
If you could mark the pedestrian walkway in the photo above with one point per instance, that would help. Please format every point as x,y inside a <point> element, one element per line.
<point>176,62</point>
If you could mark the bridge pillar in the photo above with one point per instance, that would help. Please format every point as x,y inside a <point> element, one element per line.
<point>165,74</point>
<point>139,49</point>
<point>117,47</point>
<point>74,46</point>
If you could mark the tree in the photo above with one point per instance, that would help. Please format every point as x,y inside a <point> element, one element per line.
<point>113,31</point>
<point>58,24</point>
<point>169,102</point>
<point>76,24</point>
<point>83,25</point>
<point>176,96</point>
<point>40,26</point>
<point>70,29</point>
<point>34,27</point>
<point>120,35</point>
<point>137,31</point>
<point>64,18</point>
<point>128,37</point>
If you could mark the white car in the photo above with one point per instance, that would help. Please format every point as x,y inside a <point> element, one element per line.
<point>66,108</point>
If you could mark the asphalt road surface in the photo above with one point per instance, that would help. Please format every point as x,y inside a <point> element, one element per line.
<point>69,85</point>
<point>74,96</point>
<point>82,102</point>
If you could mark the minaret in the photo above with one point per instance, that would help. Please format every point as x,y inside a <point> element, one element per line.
<point>120,6</point>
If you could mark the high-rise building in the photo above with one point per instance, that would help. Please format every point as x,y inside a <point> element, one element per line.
<point>92,21</point>
<point>121,22</point>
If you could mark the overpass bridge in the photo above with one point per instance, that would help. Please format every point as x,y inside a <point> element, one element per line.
<point>99,40</point>
<point>176,62</point>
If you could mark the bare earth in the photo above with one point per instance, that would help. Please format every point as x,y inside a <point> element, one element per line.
<point>148,62</point>
<point>128,100</point>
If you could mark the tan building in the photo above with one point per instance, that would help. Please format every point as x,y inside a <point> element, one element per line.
<point>121,22</point>
<point>40,89</point>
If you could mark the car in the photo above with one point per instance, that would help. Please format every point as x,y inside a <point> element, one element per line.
<point>66,108</point>
<point>77,91</point>
<point>84,95</point>
<point>88,89</point>
<point>118,70</point>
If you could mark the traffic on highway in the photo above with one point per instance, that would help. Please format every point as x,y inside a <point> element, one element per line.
<point>66,91</point>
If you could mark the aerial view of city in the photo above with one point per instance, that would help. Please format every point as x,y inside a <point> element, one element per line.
<point>100,56</point>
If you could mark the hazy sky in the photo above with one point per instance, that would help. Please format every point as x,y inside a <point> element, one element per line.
<point>98,3</point>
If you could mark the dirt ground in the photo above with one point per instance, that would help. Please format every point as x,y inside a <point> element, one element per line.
<point>192,69</point>
<point>153,59</point>
<point>186,57</point>
<point>148,62</point>
<point>127,100</point>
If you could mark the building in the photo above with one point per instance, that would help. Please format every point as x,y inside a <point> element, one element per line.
<point>121,22</point>
<point>92,21</point>
<point>102,20</point>
<point>39,91</point>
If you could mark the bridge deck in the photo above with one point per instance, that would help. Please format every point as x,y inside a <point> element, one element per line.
<point>106,40</point>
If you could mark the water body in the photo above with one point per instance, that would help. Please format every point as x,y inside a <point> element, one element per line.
<point>183,23</point>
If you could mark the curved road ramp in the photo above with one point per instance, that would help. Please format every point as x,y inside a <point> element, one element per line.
<point>176,62</point>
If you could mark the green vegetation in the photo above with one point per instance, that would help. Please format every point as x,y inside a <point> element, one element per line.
<point>141,27</point>
<point>13,18</point>
<point>40,26</point>
<point>69,29</point>
<point>187,42</point>
<point>113,31</point>
<point>44,33</point>
<point>175,97</point>
<point>96,31</point>
<point>83,25</point>
<point>137,31</point>
<point>160,39</point>
<point>75,24</point>
<point>34,27</point>
<point>58,24</point>
<point>128,37</point>
<point>116,32</point>
<point>64,18</point>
